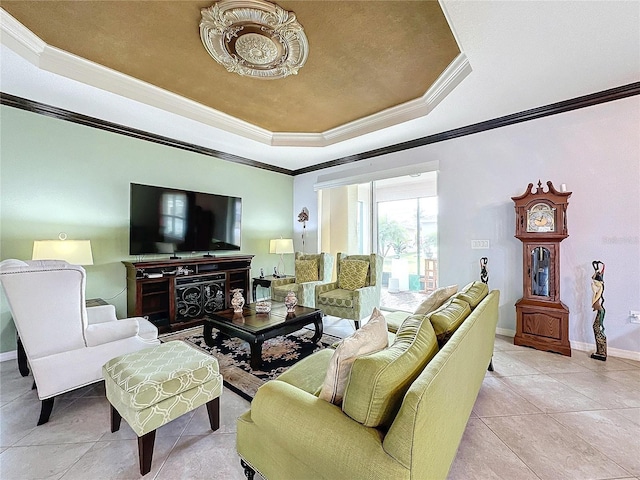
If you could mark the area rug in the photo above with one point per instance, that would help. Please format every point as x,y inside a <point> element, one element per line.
<point>233,354</point>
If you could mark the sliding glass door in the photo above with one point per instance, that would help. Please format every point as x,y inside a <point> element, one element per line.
<point>398,219</point>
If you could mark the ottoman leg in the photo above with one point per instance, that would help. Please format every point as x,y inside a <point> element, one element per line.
<point>115,419</point>
<point>213,409</point>
<point>145,451</point>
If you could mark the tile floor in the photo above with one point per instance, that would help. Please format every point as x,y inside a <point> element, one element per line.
<point>538,416</point>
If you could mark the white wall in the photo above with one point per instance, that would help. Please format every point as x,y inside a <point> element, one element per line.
<point>595,151</point>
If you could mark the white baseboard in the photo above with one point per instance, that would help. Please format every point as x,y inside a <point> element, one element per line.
<point>507,332</point>
<point>584,347</point>
<point>611,352</point>
<point>12,355</point>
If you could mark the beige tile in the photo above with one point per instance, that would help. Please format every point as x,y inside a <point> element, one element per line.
<point>496,398</point>
<point>612,363</point>
<point>550,395</point>
<point>507,364</point>
<point>609,432</point>
<point>231,407</point>
<point>551,450</point>
<point>203,457</point>
<point>548,362</point>
<point>118,460</point>
<point>471,460</point>
<point>20,417</point>
<point>85,420</point>
<point>504,344</point>
<point>630,378</point>
<point>632,414</point>
<point>40,461</point>
<point>13,385</point>
<point>604,389</point>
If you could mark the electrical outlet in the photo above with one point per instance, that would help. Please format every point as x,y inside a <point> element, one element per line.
<point>479,244</point>
<point>634,316</point>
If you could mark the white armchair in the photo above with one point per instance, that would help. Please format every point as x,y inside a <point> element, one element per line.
<point>66,343</point>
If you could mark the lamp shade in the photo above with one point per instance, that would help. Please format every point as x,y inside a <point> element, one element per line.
<point>281,245</point>
<point>76,252</point>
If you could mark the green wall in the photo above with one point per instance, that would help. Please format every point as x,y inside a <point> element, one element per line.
<point>56,176</point>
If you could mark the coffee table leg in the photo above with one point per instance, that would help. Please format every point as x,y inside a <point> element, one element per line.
<point>318,323</point>
<point>207,330</point>
<point>256,355</point>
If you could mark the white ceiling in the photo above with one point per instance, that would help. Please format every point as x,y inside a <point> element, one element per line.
<point>523,54</point>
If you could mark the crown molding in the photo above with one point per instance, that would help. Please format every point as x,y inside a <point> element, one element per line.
<point>33,49</point>
<point>419,107</point>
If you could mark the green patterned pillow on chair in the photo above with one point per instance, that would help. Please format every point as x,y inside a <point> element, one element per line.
<point>306,271</point>
<point>353,274</point>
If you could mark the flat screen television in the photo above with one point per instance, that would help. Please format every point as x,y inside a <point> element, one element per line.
<point>170,220</point>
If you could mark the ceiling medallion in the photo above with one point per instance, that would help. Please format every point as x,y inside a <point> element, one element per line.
<point>254,38</point>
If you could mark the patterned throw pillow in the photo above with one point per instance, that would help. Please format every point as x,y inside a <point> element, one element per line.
<point>436,299</point>
<point>306,271</point>
<point>372,337</point>
<point>353,274</point>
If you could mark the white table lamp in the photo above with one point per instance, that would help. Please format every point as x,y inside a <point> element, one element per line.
<point>281,246</point>
<point>76,252</point>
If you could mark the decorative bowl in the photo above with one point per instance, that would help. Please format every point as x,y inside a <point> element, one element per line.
<point>263,307</point>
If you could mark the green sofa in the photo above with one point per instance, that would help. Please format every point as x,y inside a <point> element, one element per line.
<point>289,433</point>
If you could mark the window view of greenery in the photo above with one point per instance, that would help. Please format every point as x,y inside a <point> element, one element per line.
<point>408,241</point>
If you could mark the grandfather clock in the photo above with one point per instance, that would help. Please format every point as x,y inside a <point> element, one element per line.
<point>542,320</point>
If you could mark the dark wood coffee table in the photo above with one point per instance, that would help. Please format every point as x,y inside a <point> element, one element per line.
<point>255,328</point>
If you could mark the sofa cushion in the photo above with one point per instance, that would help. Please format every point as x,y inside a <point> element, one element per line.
<point>372,337</point>
<point>395,319</point>
<point>306,271</point>
<point>379,381</point>
<point>336,298</point>
<point>353,274</point>
<point>448,318</point>
<point>473,293</point>
<point>436,299</point>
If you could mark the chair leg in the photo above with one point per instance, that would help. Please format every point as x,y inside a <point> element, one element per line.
<point>145,451</point>
<point>490,365</point>
<point>357,322</point>
<point>248,471</point>
<point>22,359</point>
<point>213,410</point>
<point>45,411</point>
<point>115,419</point>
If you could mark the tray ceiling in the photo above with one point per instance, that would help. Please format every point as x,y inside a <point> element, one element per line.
<point>362,56</point>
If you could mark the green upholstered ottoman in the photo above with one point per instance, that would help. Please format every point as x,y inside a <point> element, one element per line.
<point>153,386</point>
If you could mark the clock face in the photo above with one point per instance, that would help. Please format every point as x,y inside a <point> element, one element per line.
<point>541,218</point>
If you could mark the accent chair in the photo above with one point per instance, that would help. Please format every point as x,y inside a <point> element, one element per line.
<point>310,270</point>
<point>356,292</point>
<point>66,343</point>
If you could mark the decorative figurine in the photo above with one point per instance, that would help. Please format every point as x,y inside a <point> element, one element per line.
<point>597,303</point>
<point>290,302</point>
<point>262,273</point>
<point>237,300</point>
<point>303,217</point>
<point>484,274</point>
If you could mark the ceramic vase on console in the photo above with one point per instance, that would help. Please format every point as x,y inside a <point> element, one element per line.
<point>237,300</point>
<point>290,301</point>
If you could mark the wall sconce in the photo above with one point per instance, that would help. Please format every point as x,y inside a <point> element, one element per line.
<point>281,246</point>
<point>75,252</point>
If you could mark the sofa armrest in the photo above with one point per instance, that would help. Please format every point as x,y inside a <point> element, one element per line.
<point>313,430</point>
<point>106,332</point>
<point>101,314</point>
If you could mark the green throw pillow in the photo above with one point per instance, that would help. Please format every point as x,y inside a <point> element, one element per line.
<point>473,293</point>
<point>306,271</point>
<point>448,318</point>
<point>353,274</point>
<point>379,381</point>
